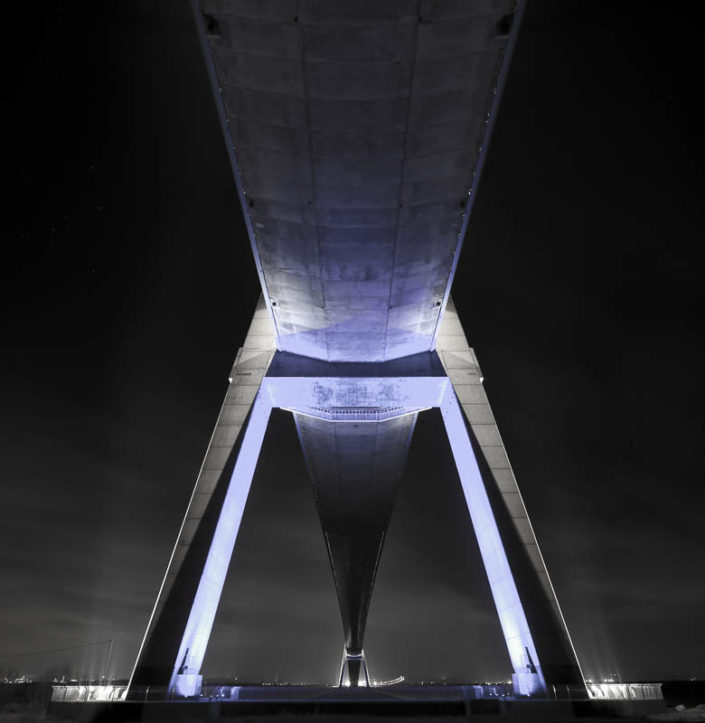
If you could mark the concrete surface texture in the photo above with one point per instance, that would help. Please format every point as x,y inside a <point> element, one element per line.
<point>536,599</point>
<point>355,131</point>
<point>190,592</point>
<point>357,128</point>
<point>355,468</point>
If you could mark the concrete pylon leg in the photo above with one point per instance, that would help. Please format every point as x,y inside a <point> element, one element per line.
<point>536,633</point>
<point>187,615</point>
<point>353,670</point>
<point>174,644</point>
<point>205,605</point>
<point>520,644</point>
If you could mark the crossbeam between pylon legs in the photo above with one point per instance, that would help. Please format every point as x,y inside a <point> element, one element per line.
<point>353,670</point>
<point>341,393</point>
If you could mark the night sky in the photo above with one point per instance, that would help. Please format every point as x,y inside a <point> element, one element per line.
<point>128,285</point>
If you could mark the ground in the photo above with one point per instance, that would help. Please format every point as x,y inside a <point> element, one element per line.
<point>36,713</point>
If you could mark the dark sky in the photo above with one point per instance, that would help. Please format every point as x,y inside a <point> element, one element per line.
<point>127,286</point>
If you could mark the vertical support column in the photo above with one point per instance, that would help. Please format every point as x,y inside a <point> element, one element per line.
<point>558,661</point>
<point>232,451</point>
<point>522,652</point>
<point>353,670</point>
<point>185,678</point>
<point>465,375</point>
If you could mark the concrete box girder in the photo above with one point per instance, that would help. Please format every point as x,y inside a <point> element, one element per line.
<point>363,122</point>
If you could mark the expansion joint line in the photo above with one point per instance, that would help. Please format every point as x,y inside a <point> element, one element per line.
<point>400,196</point>
<point>312,168</point>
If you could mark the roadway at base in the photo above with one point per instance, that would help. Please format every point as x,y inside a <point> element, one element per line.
<point>328,704</point>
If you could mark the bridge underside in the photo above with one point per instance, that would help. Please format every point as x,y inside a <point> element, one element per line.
<point>357,131</point>
<point>355,467</point>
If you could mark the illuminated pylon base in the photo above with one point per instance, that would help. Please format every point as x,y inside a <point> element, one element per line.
<point>355,422</point>
<point>353,670</point>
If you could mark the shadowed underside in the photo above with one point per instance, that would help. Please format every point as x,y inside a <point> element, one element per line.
<point>355,468</point>
<point>357,127</point>
<point>357,131</point>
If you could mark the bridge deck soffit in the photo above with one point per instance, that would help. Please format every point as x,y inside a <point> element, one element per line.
<point>356,132</point>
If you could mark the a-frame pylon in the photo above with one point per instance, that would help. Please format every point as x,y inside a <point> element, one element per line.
<point>332,402</point>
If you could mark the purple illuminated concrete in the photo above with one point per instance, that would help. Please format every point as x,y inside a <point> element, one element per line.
<point>356,132</point>
<point>348,404</point>
<point>529,678</point>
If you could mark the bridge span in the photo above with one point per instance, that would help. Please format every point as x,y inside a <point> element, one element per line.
<point>357,132</point>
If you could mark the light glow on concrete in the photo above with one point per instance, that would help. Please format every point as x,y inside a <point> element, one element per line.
<point>515,627</point>
<point>381,394</point>
<point>294,393</point>
<point>205,605</point>
<point>356,136</point>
